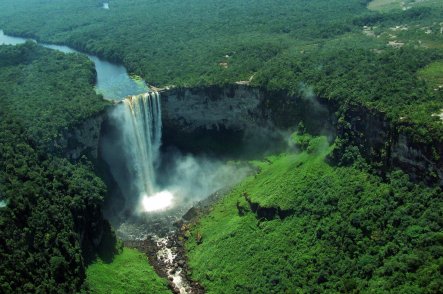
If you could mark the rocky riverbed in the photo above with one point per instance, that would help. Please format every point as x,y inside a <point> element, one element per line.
<point>162,236</point>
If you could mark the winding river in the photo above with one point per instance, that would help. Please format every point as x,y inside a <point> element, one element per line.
<point>113,81</point>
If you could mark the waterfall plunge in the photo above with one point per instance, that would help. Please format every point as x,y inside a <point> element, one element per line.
<point>143,137</point>
<point>141,126</point>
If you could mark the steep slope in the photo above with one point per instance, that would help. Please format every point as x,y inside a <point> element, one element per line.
<point>51,225</point>
<point>303,225</point>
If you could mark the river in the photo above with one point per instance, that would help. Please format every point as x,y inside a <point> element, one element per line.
<point>114,83</point>
<point>113,80</point>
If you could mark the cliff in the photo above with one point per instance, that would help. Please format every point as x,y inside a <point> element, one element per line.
<point>81,139</point>
<point>389,145</point>
<point>237,119</point>
<point>420,160</point>
<point>226,119</point>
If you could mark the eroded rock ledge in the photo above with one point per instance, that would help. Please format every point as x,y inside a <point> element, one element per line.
<point>263,213</point>
<point>81,139</point>
<point>235,117</point>
<point>239,119</point>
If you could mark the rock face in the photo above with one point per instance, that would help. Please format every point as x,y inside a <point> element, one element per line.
<point>235,119</point>
<point>212,108</point>
<point>370,131</point>
<point>388,145</point>
<point>238,120</point>
<point>423,161</point>
<point>82,139</point>
<point>214,120</point>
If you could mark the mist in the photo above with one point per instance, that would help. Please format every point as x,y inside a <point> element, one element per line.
<point>306,92</point>
<point>149,185</point>
<point>191,178</point>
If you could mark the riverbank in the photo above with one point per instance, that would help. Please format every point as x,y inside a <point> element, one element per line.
<point>112,80</point>
<point>129,272</point>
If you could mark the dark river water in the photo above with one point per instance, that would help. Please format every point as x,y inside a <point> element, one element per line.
<point>113,81</point>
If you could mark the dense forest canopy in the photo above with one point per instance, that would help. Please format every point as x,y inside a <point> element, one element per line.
<point>317,219</point>
<point>48,91</point>
<point>52,208</point>
<point>183,42</point>
<point>341,49</point>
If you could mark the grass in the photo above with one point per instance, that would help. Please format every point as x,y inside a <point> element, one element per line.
<point>386,5</point>
<point>433,74</point>
<point>230,260</point>
<point>278,169</point>
<point>129,272</point>
<point>236,252</point>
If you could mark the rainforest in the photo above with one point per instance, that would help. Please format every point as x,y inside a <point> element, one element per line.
<point>246,146</point>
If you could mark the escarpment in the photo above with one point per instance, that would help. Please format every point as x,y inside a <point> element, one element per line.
<point>389,145</point>
<point>236,120</point>
<point>81,139</point>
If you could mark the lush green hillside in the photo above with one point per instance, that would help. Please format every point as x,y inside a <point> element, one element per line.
<point>387,5</point>
<point>360,76</point>
<point>433,74</point>
<point>301,225</point>
<point>50,202</point>
<point>129,272</point>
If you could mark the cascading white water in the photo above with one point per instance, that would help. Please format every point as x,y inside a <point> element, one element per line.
<point>142,116</point>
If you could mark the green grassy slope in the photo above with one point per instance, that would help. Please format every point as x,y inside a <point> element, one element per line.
<point>129,272</point>
<point>387,5</point>
<point>347,231</point>
<point>433,74</point>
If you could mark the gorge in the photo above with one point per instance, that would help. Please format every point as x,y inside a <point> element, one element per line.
<point>161,152</point>
<point>240,113</point>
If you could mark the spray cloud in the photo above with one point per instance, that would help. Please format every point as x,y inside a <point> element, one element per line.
<point>133,158</point>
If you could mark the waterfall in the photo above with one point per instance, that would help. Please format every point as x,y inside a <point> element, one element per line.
<point>142,119</point>
<point>131,150</point>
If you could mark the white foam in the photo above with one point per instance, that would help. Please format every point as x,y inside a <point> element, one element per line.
<point>159,201</point>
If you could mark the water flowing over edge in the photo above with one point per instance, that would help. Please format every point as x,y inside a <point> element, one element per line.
<point>143,123</point>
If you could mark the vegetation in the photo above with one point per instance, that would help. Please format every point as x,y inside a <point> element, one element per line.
<point>433,75</point>
<point>339,48</point>
<point>129,272</point>
<point>48,91</point>
<point>386,5</point>
<point>198,35</point>
<point>51,215</point>
<point>375,83</point>
<point>301,225</point>
<point>50,202</point>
